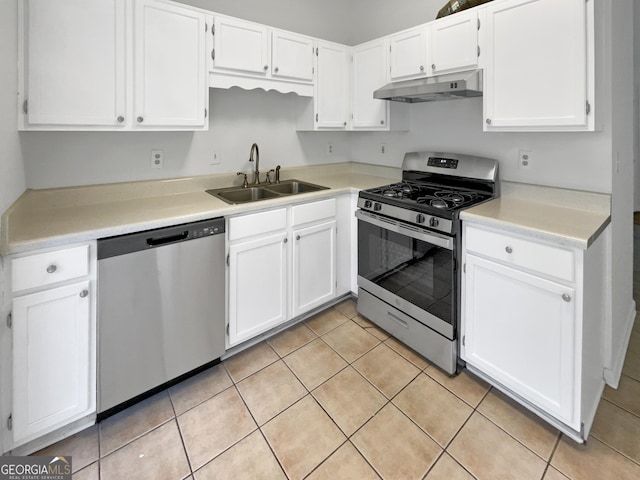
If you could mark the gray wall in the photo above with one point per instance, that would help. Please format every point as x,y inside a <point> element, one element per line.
<point>636,130</point>
<point>12,180</point>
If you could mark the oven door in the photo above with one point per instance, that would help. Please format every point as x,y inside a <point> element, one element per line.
<point>410,268</point>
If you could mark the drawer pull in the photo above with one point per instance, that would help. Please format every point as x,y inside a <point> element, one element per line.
<point>566,297</point>
<point>398,320</point>
<point>508,250</point>
<point>51,269</point>
<point>84,293</point>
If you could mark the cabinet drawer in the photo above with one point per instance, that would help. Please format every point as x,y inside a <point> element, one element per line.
<point>257,223</point>
<point>546,259</point>
<point>312,212</point>
<point>49,267</point>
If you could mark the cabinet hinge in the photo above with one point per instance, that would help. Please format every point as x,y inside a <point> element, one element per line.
<point>313,70</point>
<point>316,117</point>
<point>205,113</point>
<point>478,50</point>
<point>206,27</point>
<point>213,54</point>
<point>227,259</point>
<point>316,51</point>
<point>588,107</point>
<point>478,24</point>
<point>10,422</point>
<point>213,29</point>
<point>227,329</point>
<point>25,106</point>
<point>10,319</point>
<point>464,267</point>
<point>463,339</point>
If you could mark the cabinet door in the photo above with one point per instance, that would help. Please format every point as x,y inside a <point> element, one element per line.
<point>314,266</point>
<point>170,65</point>
<point>257,286</point>
<point>332,86</point>
<point>74,62</point>
<point>369,72</point>
<point>292,57</point>
<point>241,46</point>
<point>535,65</point>
<point>53,360</point>
<point>453,43</point>
<point>409,54</point>
<point>520,330</point>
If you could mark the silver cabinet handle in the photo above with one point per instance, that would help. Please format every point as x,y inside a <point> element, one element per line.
<point>422,68</point>
<point>566,297</point>
<point>120,119</point>
<point>488,120</point>
<point>84,293</point>
<point>51,269</point>
<point>508,250</point>
<point>276,69</point>
<point>266,67</point>
<point>381,122</point>
<point>285,240</point>
<point>433,66</point>
<point>345,124</point>
<point>140,119</point>
<point>297,237</point>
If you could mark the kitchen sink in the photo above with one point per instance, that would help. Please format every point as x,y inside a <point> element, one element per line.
<point>235,195</point>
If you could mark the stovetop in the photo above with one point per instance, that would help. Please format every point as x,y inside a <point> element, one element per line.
<point>427,197</point>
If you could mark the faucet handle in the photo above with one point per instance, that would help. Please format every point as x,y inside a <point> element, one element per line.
<point>268,177</point>
<point>277,173</point>
<point>245,183</point>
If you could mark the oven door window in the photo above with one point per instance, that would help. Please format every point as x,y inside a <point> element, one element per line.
<point>417,271</point>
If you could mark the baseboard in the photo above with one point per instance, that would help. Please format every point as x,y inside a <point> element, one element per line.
<point>612,375</point>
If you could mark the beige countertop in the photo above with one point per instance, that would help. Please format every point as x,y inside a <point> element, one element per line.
<point>569,218</point>
<point>53,217</point>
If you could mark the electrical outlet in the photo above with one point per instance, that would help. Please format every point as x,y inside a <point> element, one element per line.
<point>525,159</point>
<point>216,159</point>
<point>157,158</point>
<point>329,149</point>
<point>383,149</point>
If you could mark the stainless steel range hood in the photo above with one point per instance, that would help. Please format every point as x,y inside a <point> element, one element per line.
<point>442,87</point>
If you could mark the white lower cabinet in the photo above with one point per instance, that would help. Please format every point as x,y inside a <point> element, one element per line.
<point>314,266</point>
<point>53,341</point>
<point>532,326</point>
<point>257,286</point>
<point>281,264</point>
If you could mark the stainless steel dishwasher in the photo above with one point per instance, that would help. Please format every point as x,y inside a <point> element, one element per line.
<point>161,314</point>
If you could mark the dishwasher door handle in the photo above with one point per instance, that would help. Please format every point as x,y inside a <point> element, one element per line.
<point>157,241</point>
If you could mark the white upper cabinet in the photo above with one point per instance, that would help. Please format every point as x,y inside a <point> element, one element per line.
<point>75,78</point>
<point>292,56</point>
<point>170,69</point>
<point>453,43</point>
<point>368,73</point>
<point>536,65</point>
<point>240,45</point>
<point>112,65</point>
<point>332,86</point>
<point>409,54</point>
<point>250,55</point>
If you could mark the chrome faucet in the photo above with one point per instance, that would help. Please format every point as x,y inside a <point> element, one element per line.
<point>278,174</point>
<point>256,173</point>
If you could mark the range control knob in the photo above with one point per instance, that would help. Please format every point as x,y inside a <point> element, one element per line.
<point>434,222</point>
<point>367,204</point>
<point>377,207</point>
<point>420,218</point>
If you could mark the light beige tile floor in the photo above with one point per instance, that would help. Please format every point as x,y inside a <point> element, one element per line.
<point>336,398</point>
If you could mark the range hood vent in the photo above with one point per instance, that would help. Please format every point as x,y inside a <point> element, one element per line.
<point>432,89</point>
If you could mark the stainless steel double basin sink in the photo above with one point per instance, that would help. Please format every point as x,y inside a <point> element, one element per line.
<point>255,193</point>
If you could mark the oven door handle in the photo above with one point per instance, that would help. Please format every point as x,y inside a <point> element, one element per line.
<point>394,226</point>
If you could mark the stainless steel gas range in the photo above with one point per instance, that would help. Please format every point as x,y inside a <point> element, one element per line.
<point>409,241</point>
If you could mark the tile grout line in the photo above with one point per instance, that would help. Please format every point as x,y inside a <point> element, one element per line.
<point>184,445</point>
